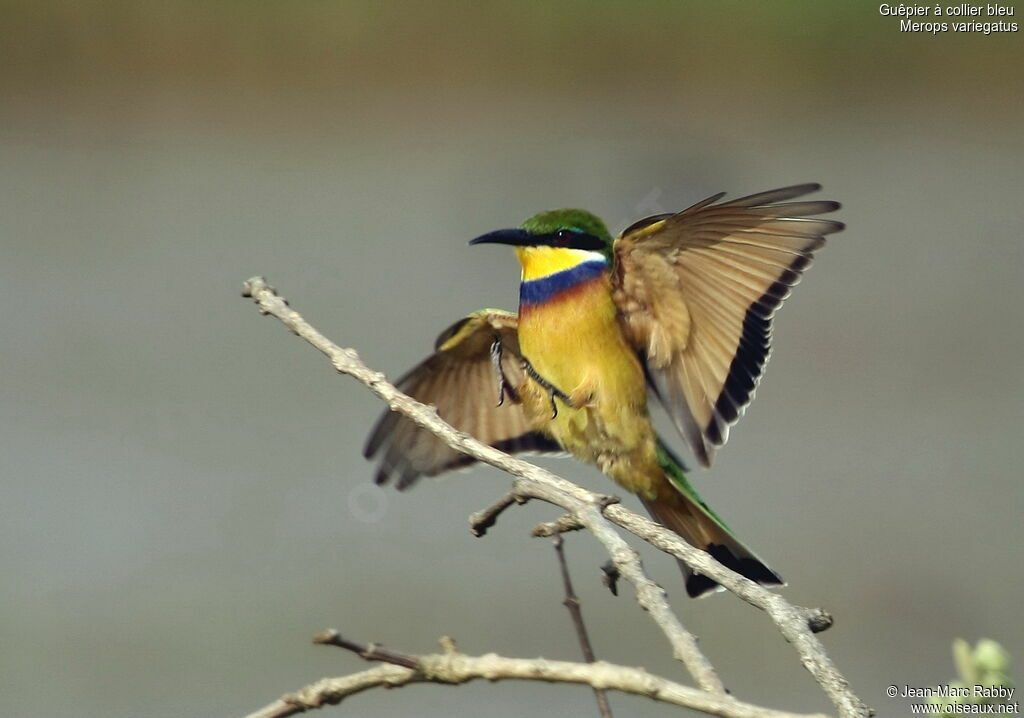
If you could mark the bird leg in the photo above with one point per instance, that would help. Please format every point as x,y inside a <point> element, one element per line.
<point>552,390</point>
<point>504,388</point>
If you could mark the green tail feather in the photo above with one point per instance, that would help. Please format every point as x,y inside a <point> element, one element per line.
<point>703,528</point>
<point>675,470</point>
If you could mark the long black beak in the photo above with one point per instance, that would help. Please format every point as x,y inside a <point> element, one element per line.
<point>516,237</point>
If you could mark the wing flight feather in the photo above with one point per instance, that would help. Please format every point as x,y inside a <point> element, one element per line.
<point>460,380</point>
<point>696,293</point>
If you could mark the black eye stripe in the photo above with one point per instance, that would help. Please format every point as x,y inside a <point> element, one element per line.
<point>574,239</point>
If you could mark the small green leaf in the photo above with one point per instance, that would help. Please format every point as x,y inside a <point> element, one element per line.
<point>990,657</point>
<point>963,659</point>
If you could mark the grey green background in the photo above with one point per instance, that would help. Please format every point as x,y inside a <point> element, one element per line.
<point>184,500</point>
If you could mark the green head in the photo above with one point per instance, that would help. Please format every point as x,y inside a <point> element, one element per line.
<point>558,228</point>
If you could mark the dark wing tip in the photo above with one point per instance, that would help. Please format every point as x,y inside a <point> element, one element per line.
<point>805,188</point>
<point>705,202</point>
<point>645,222</point>
<point>376,437</point>
<point>774,195</point>
<point>697,584</point>
<point>408,477</point>
<point>808,207</point>
<point>701,453</point>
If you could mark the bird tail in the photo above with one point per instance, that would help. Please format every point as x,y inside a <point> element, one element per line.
<point>684,512</point>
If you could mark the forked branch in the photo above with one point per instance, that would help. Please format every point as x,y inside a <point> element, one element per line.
<point>597,514</point>
<point>452,667</point>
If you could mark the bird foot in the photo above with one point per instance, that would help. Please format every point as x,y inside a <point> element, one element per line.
<point>504,387</point>
<point>552,390</point>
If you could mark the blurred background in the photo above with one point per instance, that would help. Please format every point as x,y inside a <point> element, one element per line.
<point>185,503</point>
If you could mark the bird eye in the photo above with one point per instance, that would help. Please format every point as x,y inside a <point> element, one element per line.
<point>564,236</point>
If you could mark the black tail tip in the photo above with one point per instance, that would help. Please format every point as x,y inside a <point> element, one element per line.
<point>697,584</point>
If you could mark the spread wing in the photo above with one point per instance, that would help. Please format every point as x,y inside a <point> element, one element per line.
<point>696,293</point>
<point>461,381</point>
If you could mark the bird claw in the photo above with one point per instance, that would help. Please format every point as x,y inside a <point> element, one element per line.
<point>552,390</point>
<point>504,388</point>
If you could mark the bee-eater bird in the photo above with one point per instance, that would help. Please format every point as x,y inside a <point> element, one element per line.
<point>680,305</point>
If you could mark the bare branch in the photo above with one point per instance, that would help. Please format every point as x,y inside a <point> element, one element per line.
<point>797,624</point>
<point>563,524</point>
<point>454,668</point>
<point>595,514</point>
<point>649,595</point>
<point>532,481</point>
<point>371,652</point>
<point>483,520</point>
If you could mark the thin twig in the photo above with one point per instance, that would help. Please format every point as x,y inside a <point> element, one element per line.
<point>563,524</point>
<point>534,482</point>
<point>369,651</point>
<point>453,668</point>
<point>572,603</point>
<point>480,521</point>
<point>651,597</point>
